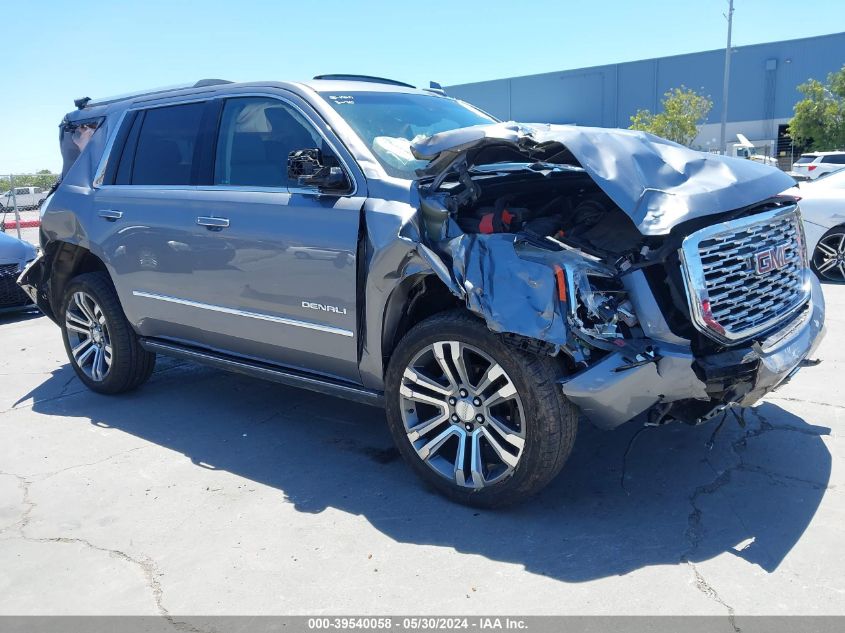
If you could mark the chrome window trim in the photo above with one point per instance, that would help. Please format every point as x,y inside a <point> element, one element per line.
<point>314,191</point>
<point>328,329</point>
<point>695,284</point>
<point>104,159</point>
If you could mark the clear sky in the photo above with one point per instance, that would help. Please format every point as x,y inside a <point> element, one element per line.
<point>57,50</point>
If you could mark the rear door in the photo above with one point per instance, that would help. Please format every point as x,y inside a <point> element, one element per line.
<point>144,214</point>
<point>832,162</point>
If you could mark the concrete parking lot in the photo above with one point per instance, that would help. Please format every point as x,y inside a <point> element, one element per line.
<point>211,493</point>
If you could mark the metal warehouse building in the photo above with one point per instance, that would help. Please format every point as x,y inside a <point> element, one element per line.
<point>762,90</point>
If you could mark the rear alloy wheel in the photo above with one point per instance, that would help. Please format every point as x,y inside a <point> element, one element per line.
<point>481,421</point>
<point>88,336</point>
<point>829,257</point>
<point>102,347</point>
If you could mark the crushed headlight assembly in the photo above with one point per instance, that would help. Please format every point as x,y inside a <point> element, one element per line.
<point>602,308</point>
<point>598,305</point>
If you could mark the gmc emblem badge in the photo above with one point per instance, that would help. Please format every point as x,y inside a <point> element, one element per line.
<point>769,259</point>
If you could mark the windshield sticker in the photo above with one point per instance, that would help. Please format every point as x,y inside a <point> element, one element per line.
<point>342,99</point>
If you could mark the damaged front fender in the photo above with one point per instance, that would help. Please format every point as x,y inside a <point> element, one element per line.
<point>546,295</point>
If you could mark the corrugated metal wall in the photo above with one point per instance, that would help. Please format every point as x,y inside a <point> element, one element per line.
<point>763,81</point>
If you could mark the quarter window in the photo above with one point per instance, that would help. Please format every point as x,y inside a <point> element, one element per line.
<point>256,135</point>
<point>836,159</point>
<point>164,154</point>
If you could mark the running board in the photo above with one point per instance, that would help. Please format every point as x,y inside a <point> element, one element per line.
<point>287,377</point>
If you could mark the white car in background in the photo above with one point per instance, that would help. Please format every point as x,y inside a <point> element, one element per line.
<point>815,164</point>
<point>823,209</point>
<point>24,197</point>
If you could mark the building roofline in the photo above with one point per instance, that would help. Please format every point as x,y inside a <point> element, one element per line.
<point>651,59</point>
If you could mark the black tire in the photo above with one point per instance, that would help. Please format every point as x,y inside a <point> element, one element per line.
<point>549,425</point>
<point>834,239</point>
<point>131,365</point>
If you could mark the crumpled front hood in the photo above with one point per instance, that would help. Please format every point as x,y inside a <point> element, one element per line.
<point>656,182</point>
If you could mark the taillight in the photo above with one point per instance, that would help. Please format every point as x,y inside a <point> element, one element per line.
<point>811,167</point>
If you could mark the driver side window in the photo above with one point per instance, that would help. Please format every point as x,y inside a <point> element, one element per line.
<point>256,135</point>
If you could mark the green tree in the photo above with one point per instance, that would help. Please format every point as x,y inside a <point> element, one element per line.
<point>819,121</point>
<point>42,178</point>
<point>683,110</point>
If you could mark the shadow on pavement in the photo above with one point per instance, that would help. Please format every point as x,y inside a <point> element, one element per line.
<point>19,315</point>
<point>752,495</point>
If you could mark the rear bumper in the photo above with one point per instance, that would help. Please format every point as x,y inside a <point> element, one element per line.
<point>34,282</point>
<point>610,396</point>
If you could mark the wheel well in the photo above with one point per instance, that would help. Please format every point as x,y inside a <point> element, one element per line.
<point>416,299</point>
<point>421,297</point>
<point>68,261</point>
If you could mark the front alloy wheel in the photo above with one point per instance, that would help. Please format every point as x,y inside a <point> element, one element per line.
<point>478,419</point>
<point>829,258</point>
<point>462,414</point>
<point>88,336</point>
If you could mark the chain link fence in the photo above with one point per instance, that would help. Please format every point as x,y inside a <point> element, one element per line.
<point>21,197</point>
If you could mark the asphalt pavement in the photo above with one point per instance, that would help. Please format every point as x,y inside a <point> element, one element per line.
<point>211,493</point>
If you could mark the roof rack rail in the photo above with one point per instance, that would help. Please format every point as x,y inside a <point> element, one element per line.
<point>435,88</point>
<point>202,83</point>
<point>368,78</point>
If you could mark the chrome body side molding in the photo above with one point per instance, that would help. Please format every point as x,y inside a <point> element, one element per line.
<point>329,329</point>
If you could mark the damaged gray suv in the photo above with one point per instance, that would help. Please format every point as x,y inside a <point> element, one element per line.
<point>486,282</point>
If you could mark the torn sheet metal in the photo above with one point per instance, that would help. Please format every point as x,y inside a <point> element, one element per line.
<point>513,294</point>
<point>656,182</point>
<point>513,285</point>
<point>610,397</point>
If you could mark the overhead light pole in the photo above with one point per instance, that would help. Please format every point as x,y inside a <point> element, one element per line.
<point>727,79</point>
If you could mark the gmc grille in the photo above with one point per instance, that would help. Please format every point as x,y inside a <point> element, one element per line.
<point>10,293</point>
<point>746,276</point>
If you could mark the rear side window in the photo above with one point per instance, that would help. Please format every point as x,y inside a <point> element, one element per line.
<point>807,158</point>
<point>256,136</point>
<point>836,159</point>
<point>163,154</point>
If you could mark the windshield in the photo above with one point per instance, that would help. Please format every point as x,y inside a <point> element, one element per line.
<point>388,121</point>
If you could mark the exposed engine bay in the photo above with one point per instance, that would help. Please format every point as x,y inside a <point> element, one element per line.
<point>547,257</point>
<point>559,209</point>
<point>552,215</point>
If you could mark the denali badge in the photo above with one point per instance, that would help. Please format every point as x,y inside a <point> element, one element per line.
<point>323,307</point>
<point>767,260</point>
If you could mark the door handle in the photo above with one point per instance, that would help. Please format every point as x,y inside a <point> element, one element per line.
<point>213,224</point>
<point>110,214</point>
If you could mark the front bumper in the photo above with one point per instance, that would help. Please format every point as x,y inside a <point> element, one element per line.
<point>610,394</point>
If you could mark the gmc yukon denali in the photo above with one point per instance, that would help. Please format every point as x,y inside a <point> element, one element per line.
<point>486,282</point>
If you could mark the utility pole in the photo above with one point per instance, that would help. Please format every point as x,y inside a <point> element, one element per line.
<point>726,85</point>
